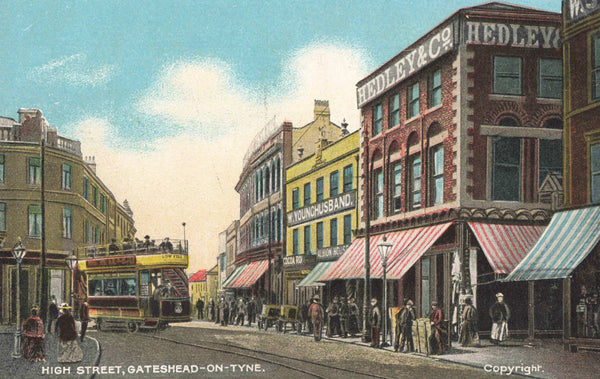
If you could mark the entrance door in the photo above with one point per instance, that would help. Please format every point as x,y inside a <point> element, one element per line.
<point>426,285</point>
<point>24,279</point>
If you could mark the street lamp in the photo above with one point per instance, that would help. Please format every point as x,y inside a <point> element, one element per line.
<point>384,248</point>
<point>71,261</point>
<point>18,253</point>
<point>184,241</point>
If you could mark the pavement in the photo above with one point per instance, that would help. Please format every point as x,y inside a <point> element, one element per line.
<point>21,368</point>
<point>543,358</point>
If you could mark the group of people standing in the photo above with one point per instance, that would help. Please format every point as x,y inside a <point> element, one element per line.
<point>60,322</point>
<point>236,310</point>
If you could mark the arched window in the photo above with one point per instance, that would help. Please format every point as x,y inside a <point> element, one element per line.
<point>395,177</point>
<point>278,174</point>
<point>273,177</point>
<point>414,172</point>
<point>377,205</point>
<point>267,180</point>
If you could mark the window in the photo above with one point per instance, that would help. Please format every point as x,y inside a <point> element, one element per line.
<point>320,234</point>
<point>377,119</point>
<point>413,101</point>
<point>86,188</point>
<point>267,180</point>
<point>67,176</point>
<point>256,186</point>
<point>278,177</point>
<point>95,196</point>
<point>320,189</point>
<point>394,110</point>
<point>295,198</point>
<point>596,67</point>
<point>415,182</point>
<point>437,175</point>
<point>306,194</point>
<point>67,223</point>
<point>35,220</point>
<point>347,229</point>
<point>506,168</point>
<point>278,221</point>
<point>2,170</point>
<point>103,203</point>
<point>334,183</point>
<point>595,173</point>
<point>333,232</point>
<point>35,170</point>
<point>507,75</point>
<point>435,89</point>
<point>378,194</point>
<point>261,184</point>
<point>397,187</point>
<point>273,178</point>
<point>3,217</point>
<point>551,78</point>
<point>550,158</point>
<point>348,174</point>
<point>296,242</point>
<point>307,237</point>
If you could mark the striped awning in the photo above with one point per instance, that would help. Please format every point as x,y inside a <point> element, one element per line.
<point>251,273</point>
<point>238,270</point>
<point>408,246</point>
<point>316,274</point>
<point>505,245</point>
<point>565,243</point>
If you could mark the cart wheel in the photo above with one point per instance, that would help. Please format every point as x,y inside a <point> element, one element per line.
<point>162,325</point>
<point>132,326</point>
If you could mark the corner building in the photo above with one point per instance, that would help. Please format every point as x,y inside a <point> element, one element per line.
<point>460,131</point>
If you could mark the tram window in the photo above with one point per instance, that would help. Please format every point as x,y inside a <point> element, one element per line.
<point>95,287</point>
<point>127,287</point>
<point>110,287</point>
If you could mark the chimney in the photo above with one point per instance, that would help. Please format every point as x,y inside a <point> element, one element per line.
<point>90,161</point>
<point>322,111</point>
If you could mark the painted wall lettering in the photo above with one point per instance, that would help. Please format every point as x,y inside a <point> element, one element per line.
<point>579,9</point>
<point>532,36</point>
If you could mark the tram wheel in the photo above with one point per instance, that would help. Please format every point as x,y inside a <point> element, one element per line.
<point>132,326</point>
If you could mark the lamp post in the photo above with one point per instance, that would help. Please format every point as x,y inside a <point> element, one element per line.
<point>18,253</point>
<point>384,248</point>
<point>184,240</point>
<point>71,261</point>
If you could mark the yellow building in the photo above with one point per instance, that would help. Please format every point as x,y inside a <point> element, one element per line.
<point>322,212</point>
<point>199,290</point>
<point>212,283</point>
<point>73,213</point>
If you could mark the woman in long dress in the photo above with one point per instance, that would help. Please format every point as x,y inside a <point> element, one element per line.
<point>468,327</point>
<point>69,350</point>
<point>33,343</point>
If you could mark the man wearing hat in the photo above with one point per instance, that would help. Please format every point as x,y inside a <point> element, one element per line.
<point>316,314</point>
<point>375,323</point>
<point>403,333</point>
<point>499,313</point>
<point>69,350</point>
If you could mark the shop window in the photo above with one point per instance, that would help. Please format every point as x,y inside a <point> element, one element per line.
<point>377,205</point>
<point>550,78</point>
<point>306,194</point>
<point>347,229</point>
<point>333,232</point>
<point>35,170</point>
<point>35,220</point>
<point>307,240</point>
<point>397,187</point>
<point>413,101</point>
<point>67,223</point>
<point>296,241</point>
<point>596,66</point>
<point>334,183</point>
<point>436,180</point>
<point>320,189</point>
<point>435,88</point>
<point>377,119</point>
<point>394,111</point>
<point>548,305</point>
<point>595,173</point>
<point>67,176</point>
<point>506,168</point>
<point>348,175</point>
<point>320,234</point>
<point>295,198</point>
<point>3,217</point>
<point>414,182</point>
<point>507,75</point>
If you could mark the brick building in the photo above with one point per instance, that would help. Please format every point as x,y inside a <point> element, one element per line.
<point>460,131</point>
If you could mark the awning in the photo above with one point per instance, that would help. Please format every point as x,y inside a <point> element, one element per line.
<point>251,273</point>
<point>408,247</point>
<point>565,243</point>
<point>238,270</point>
<point>505,246</point>
<point>316,274</point>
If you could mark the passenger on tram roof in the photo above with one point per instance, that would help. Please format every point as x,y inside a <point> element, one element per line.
<point>166,245</point>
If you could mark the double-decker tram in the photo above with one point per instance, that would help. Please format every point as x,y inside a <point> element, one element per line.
<point>138,286</point>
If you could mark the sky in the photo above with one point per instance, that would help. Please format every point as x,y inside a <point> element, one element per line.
<point>167,95</point>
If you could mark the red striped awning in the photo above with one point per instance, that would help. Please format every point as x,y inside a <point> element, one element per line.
<point>408,247</point>
<point>505,245</point>
<point>251,273</point>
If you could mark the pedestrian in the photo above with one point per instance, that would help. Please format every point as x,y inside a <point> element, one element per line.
<point>468,327</point>
<point>33,342</point>
<point>437,340</point>
<point>200,308</point>
<point>316,314</point>
<point>403,333</point>
<point>232,310</point>
<point>241,311</point>
<point>303,317</point>
<point>333,317</point>
<point>224,312</point>
<point>52,314</point>
<point>84,316</point>
<point>353,312</point>
<point>251,311</point>
<point>500,314</point>
<point>375,322</point>
<point>69,350</point>
<point>344,317</point>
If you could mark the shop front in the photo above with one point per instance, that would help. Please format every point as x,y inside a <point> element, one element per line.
<point>296,268</point>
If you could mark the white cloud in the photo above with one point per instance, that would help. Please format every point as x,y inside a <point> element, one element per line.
<point>73,70</point>
<point>190,177</point>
